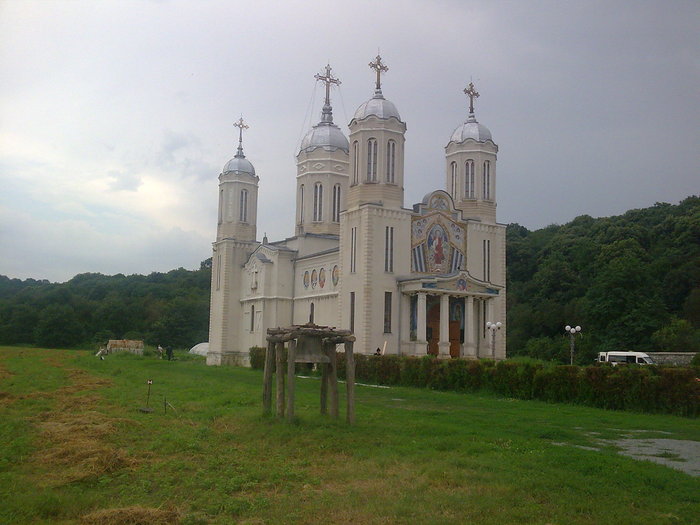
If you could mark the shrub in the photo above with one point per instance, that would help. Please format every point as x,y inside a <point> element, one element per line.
<point>257,357</point>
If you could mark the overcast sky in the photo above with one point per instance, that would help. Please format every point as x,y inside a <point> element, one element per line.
<point>116,116</point>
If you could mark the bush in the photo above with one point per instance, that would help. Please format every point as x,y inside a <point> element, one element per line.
<point>257,357</point>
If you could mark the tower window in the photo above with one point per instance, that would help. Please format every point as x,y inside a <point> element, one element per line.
<point>387,312</point>
<point>243,206</point>
<point>372,160</point>
<point>391,161</point>
<point>487,180</point>
<point>453,172</point>
<point>487,260</point>
<point>336,203</point>
<point>389,249</point>
<point>221,206</point>
<point>469,191</point>
<point>318,202</point>
<point>356,161</point>
<point>252,317</point>
<point>301,204</point>
<point>353,249</point>
<point>352,311</point>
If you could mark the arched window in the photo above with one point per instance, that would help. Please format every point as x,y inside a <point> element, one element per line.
<point>318,202</point>
<point>356,161</point>
<point>469,179</point>
<point>372,160</point>
<point>243,206</point>
<point>487,180</point>
<point>301,204</point>
<point>453,180</point>
<point>391,161</point>
<point>336,203</point>
<point>311,313</point>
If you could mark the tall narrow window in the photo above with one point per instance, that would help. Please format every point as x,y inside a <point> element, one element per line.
<point>318,202</point>
<point>336,203</point>
<point>243,206</point>
<point>391,161</point>
<point>487,260</point>
<point>487,180</point>
<point>389,249</point>
<point>372,160</point>
<point>301,204</point>
<point>218,271</point>
<point>453,180</point>
<point>352,311</point>
<point>353,249</point>
<point>469,190</point>
<point>252,317</point>
<point>221,206</point>
<point>387,312</point>
<point>311,313</point>
<point>355,161</point>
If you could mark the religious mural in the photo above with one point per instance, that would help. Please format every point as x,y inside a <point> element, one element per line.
<point>437,239</point>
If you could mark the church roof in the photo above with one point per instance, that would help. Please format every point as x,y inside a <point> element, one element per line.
<point>377,106</point>
<point>471,129</point>
<point>239,164</point>
<point>325,134</point>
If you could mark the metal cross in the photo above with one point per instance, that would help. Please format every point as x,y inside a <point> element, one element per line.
<point>327,79</point>
<point>379,68</point>
<point>472,94</point>
<point>240,125</point>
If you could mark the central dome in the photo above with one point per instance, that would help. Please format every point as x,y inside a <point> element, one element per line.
<point>325,135</point>
<point>377,106</point>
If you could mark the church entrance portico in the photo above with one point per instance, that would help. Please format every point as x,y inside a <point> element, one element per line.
<point>443,320</point>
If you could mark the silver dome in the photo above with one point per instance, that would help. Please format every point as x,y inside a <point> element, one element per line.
<point>239,164</point>
<point>325,135</point>
<point>377,106</point>
<point>471,129</point>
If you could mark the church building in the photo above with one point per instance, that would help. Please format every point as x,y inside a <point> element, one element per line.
<point>430,279</point>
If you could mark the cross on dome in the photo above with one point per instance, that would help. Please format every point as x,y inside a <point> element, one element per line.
<point>327,79</point>
<point>472,93</point>
<point>379,68</point>
<point>241,126</point>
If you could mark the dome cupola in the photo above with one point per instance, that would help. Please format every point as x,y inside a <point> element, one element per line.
<point>471,129</point>
<point>325,134</point>
<point>377,106</point>
<point>239,164</point>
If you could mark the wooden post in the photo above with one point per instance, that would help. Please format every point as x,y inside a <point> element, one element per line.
<point>324,388</point>
<point>291,355</point>
<point>279,354</point>
<point>350,381</point>
<point>333,381</point>
<point>267,378</point>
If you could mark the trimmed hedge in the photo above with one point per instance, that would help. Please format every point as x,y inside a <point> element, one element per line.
<point>629,387</point>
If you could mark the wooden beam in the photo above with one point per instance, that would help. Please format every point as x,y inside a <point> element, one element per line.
<point>350,381</point>
<point>291,354</point>
<point>267,378</point>
<point>324,388</point>
<point>279,377</point>
<point>334,382</point>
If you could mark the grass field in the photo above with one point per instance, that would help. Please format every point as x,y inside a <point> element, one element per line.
<point>74,448</point>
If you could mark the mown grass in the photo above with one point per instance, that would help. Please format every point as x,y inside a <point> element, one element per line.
<point>74,448</point>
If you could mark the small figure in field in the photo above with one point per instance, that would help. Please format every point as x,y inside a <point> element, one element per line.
<point>101,353</point>
<point>160,352</point>
<point>169,353</point>
<point>378,352</point>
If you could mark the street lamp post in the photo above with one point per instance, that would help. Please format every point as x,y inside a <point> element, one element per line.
<point>494,327</point>
<point>572,331</point>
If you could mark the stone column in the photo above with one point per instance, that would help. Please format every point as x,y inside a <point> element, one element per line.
<point>469,325</point>
<point>405,321</point>
<point>444,344</point>
<point>421,320</point>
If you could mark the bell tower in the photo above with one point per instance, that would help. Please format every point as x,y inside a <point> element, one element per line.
<point>471,166</point>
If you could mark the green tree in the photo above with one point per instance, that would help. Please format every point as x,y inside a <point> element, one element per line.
<point>58,326</point>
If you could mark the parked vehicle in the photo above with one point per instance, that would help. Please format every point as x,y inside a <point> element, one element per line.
<point>625,358</point>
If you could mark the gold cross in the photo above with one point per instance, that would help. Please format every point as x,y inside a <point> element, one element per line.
<point>379,68</point>
<point>472,94</point>
<point>328,79</point>
<point>240,125</point>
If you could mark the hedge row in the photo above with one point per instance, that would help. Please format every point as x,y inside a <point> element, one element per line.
<point>646,389</point>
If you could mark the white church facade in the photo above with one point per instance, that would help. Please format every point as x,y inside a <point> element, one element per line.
<point>430,279</point>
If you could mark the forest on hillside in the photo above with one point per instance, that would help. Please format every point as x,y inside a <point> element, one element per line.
<point>631,282</point>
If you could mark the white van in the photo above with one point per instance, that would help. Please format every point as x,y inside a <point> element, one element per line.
<point>625,358</point>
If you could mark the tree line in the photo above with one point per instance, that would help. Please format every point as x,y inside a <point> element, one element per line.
<point>631,281</point>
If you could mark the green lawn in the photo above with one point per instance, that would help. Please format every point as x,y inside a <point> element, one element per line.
<point>74,448</point>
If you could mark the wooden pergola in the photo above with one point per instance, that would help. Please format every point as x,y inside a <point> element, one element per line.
<point>308,343</point>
